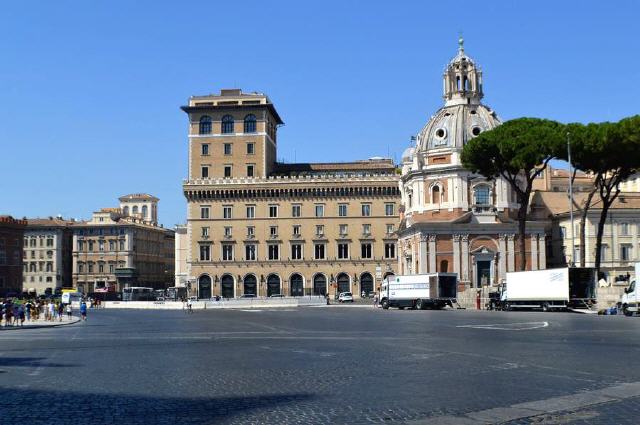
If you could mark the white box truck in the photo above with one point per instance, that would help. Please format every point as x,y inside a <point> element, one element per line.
<point>550,289</point>
<point>420,291</point>
<point>630,300</point>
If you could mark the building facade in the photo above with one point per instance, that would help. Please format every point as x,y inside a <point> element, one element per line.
<point>454,220</point>
<point>181,253</point>
<point>113,251</point>
<point>11,245</point>
<point>47,255</point>
<point>259,227</point>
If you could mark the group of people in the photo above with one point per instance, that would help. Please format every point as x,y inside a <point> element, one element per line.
<point>14,313</point>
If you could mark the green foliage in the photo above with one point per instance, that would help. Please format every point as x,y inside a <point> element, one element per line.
<point>517,146</point>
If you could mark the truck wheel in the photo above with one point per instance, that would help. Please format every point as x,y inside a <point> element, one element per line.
<point>545,307</point>
<point>385,304</point>
<point>625,310</point>
<point>507,307</point>
<point>419,305</point>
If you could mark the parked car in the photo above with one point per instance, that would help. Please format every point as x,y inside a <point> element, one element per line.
<point>345,297</point>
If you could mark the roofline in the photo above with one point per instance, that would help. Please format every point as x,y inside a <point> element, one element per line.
<point>269,106</point>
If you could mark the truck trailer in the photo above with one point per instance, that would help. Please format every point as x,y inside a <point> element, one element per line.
<point>630,300</point>
<point>420,291</point>
<point>562,288</point>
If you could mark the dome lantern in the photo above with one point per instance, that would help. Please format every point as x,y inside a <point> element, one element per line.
<point>462,80</point>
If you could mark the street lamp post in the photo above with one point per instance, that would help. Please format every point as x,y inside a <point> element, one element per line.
<point>573,245</point>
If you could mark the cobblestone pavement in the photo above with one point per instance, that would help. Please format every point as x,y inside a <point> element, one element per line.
<point>310,365</point>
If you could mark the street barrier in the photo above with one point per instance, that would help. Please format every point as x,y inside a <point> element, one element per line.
<point>248,303</point>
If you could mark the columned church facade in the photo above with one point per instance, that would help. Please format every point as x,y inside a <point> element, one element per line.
<point>454,220</point>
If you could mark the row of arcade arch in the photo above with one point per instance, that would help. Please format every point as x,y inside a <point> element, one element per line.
<point>250,284</point>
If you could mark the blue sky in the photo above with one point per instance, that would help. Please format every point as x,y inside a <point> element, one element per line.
<point>90,91</point>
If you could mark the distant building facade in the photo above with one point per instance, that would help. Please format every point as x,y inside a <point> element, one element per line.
<point>11,244</point>
<point>454,220</point>
<point>114,250</point>
<point>256,226</point>
<point>47,255</point>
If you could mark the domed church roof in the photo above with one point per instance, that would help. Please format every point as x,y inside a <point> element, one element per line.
<point>463,116</point>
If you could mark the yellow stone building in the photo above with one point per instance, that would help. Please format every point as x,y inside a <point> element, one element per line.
<point>259,227</point>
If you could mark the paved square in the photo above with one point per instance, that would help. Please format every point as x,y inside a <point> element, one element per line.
<point>314,365</point>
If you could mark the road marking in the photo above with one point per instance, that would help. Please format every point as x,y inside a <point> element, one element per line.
<point>252,310</point>
<point>509,326</point>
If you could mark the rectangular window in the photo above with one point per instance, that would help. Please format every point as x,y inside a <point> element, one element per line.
<point>111,268</point>
<point>366,210</point>
<point>205,231</point>
<point>50,242</point>
<point>273,231</point>
<point>296,251</point>
<point>390,250</point>
<point>251,211</point>
<point>80,248</point>
<point>342,210</point>
<point>251,231</point>
<point>227,252</point>
<point>624,229</point>
<point>112,245</point>
<point>204,212</point>
<point>366,229</point>
<point>250,252</point>
<point>90,245</point>
<point>90,267</point>
<point>563,232</point>
<point>227,231</point>
<point>319,230</point>
<point>343,251</point>
<point>388,209</point>
<point>319,210</point>
<point>603,253</point>
<point>100,268</point>
<point>390,229</point>
<point>121,245</point>
<point>274,252</point>
<point>205,149</point>
<point>205,172</point>
<point>250,169</point>
<point>80,268</point>
<point>343,229</point>
<point>227,212</point>
<point>295,210</point>
<point>227,148</point>
<point>625,252</point>
<point>100,245</point>
<point>296,230</point>
<point>205,253</point>
<point>227,170</point>
<point>365,250</point>
<point>319,251</point>
<point>273,211</point>
<point>251,148</point>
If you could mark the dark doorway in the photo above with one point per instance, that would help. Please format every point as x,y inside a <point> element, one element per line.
<point>250,285</point>
<point>343,283</point>
<point>226,286</point>
<point>444,266</point>
<point>273,285</point>
<point>319,285</point>
<point>297,287</point>
<point>204,287</point>
<point>483,273</point>
<point>366,284</point>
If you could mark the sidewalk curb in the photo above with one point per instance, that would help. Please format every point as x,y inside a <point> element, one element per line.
<point>17,328</point>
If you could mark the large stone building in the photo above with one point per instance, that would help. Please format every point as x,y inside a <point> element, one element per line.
<point>454,220</point>
<point>47,255</point>
<point>11,239</point>
<point>256,226</point>
<point>115,250</point>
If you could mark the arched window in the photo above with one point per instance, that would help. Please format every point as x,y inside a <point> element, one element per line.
<point>144,211</point>
<point>205,125</point>
<point>125,211</point>
<point>227,124</point>
<point>134,210</point>
<point>436,194</point>
<point>481,195</point>
<point>250,123</point>
<point>444,266</point>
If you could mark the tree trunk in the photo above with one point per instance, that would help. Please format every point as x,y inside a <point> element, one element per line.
<point>601,223</point>
<point>522,224</point>
<point>583,222</point>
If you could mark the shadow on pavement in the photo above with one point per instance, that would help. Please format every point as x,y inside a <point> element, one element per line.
<point>95,408</point>
<point>28,362</point>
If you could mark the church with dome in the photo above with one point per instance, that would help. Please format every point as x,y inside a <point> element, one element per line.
<point>454,220</point>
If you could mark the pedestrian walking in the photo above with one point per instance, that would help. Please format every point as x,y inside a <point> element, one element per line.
<point>83,310</point>
<point>68,308</point>
<point>363,294</point>
<point>27,310</point>
<point>51,311</point>
<point>375,301</point>
<point>189,306</point>
<point>21,314</point>
<point>60,311</point>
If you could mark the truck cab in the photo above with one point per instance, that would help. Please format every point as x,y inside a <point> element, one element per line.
<point>630,300</point>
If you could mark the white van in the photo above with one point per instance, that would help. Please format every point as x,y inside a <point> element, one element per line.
<point>630,300</point>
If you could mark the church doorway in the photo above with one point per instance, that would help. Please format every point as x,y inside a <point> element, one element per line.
<point>483,273</point>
